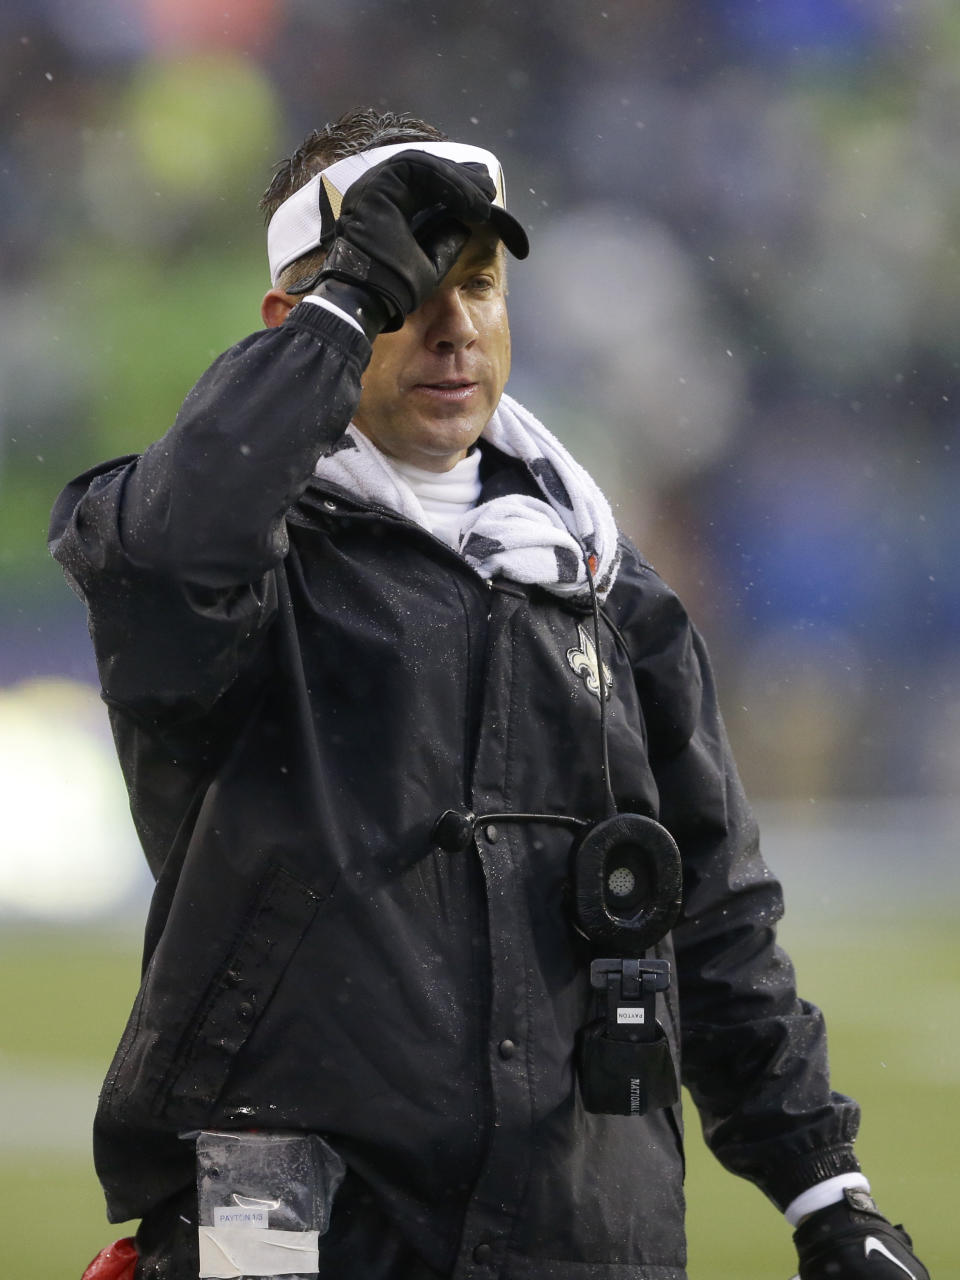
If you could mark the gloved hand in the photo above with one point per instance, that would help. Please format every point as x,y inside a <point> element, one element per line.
<point>852,1240</point>
<point>400,230</point>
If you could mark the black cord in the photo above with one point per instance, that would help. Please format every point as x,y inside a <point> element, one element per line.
<point>604,692</point>
<point>556,819</point>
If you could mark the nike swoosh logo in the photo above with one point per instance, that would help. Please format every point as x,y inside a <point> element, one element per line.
<point>873,1245</point>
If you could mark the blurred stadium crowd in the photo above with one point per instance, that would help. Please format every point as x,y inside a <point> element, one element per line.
<point>741,309</point>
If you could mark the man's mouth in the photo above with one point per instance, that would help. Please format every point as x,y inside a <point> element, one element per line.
<point>451,389</point>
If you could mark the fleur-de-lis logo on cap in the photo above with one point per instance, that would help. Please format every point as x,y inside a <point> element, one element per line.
<point>585,664</point>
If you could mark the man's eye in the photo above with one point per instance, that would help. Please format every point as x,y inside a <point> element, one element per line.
<point>481,283</point>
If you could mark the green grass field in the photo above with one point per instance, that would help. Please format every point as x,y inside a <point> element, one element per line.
<point>892,999</point>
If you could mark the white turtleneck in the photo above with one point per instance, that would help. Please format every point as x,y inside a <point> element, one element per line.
<point>446,496</point>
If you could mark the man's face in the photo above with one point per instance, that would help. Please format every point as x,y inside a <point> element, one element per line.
<point>432,386</point>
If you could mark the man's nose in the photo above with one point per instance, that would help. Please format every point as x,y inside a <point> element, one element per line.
<point>450,325</point>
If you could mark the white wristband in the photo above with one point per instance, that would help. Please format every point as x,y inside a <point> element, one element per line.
<point>824,1193</point>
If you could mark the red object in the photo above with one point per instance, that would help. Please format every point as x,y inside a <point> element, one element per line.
<point>116,1262</point>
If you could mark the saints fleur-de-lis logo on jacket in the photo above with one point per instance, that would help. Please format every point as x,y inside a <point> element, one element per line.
<point>585,663</point>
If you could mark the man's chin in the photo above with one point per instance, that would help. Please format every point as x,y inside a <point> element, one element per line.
<point>437,446</point>
<point>449,427</point>
<point>432,436</point>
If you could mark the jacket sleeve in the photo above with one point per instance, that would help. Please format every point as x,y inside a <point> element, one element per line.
<point>175,552</point>
<point>754,1053</point>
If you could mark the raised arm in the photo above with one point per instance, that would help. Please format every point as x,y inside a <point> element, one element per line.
<point>174,552</point>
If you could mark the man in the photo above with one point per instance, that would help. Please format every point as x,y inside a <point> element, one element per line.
<point>384,679</point>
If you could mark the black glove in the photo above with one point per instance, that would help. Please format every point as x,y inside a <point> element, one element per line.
<point>400,230</point>
<point>852,1240</point>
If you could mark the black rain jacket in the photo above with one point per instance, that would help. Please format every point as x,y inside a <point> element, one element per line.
<point>299,684</point>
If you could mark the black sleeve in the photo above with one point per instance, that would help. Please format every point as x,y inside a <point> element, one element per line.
<point>754,1053</point>
<point>176,552</point>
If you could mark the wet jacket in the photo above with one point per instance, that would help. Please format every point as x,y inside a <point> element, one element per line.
<point>299,685</point>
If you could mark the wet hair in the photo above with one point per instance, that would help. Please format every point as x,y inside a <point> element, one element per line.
<point>358,129</point>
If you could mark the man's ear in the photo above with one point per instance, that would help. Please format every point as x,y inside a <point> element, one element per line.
<point>276,306</point>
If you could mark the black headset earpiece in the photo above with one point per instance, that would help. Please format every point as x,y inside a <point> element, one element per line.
<point>627,883</point>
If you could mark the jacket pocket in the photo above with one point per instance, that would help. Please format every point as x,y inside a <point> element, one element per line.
<point>282,913</point>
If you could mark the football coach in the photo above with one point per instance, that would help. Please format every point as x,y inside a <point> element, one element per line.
<point>455,878</point>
